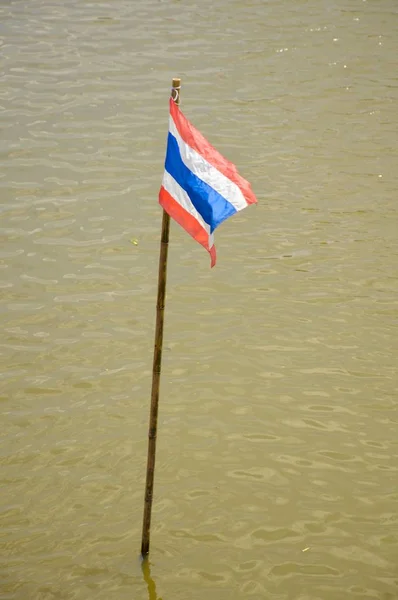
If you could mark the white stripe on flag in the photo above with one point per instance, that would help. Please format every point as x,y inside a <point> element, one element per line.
<point>207,173</point>
<point>180,196</point>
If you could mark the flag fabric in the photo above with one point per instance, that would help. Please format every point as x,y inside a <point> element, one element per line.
<point>200,188</point>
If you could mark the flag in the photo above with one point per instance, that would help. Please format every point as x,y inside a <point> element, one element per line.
<point>200,188</point>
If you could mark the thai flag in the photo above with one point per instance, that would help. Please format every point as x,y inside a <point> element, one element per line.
<point>200,188</point>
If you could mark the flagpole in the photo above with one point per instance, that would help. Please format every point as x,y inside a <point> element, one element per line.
<point>157,363</point>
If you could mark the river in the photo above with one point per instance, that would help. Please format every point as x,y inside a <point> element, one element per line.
<point>277,461</point>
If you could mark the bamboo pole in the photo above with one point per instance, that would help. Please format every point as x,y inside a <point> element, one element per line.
<point>157,364</point>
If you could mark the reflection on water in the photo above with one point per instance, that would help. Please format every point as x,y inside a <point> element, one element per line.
<point>146,571</point>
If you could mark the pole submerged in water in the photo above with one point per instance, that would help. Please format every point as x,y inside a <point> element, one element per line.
<point>157,363</point>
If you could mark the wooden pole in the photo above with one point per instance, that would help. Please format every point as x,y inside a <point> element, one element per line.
<point>157,364</point>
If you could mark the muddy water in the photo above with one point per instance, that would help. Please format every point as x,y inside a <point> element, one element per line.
<point>277,450</point>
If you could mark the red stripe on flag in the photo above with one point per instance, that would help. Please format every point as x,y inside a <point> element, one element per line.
<point>187,222</point>
<point>198,142</point>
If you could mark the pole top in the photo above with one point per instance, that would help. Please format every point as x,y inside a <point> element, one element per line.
<point>175,89</point>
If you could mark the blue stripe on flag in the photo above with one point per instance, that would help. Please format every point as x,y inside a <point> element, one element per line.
<point>213,207</point>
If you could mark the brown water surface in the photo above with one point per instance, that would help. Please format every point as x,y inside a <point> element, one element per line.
<point>278,447</point>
